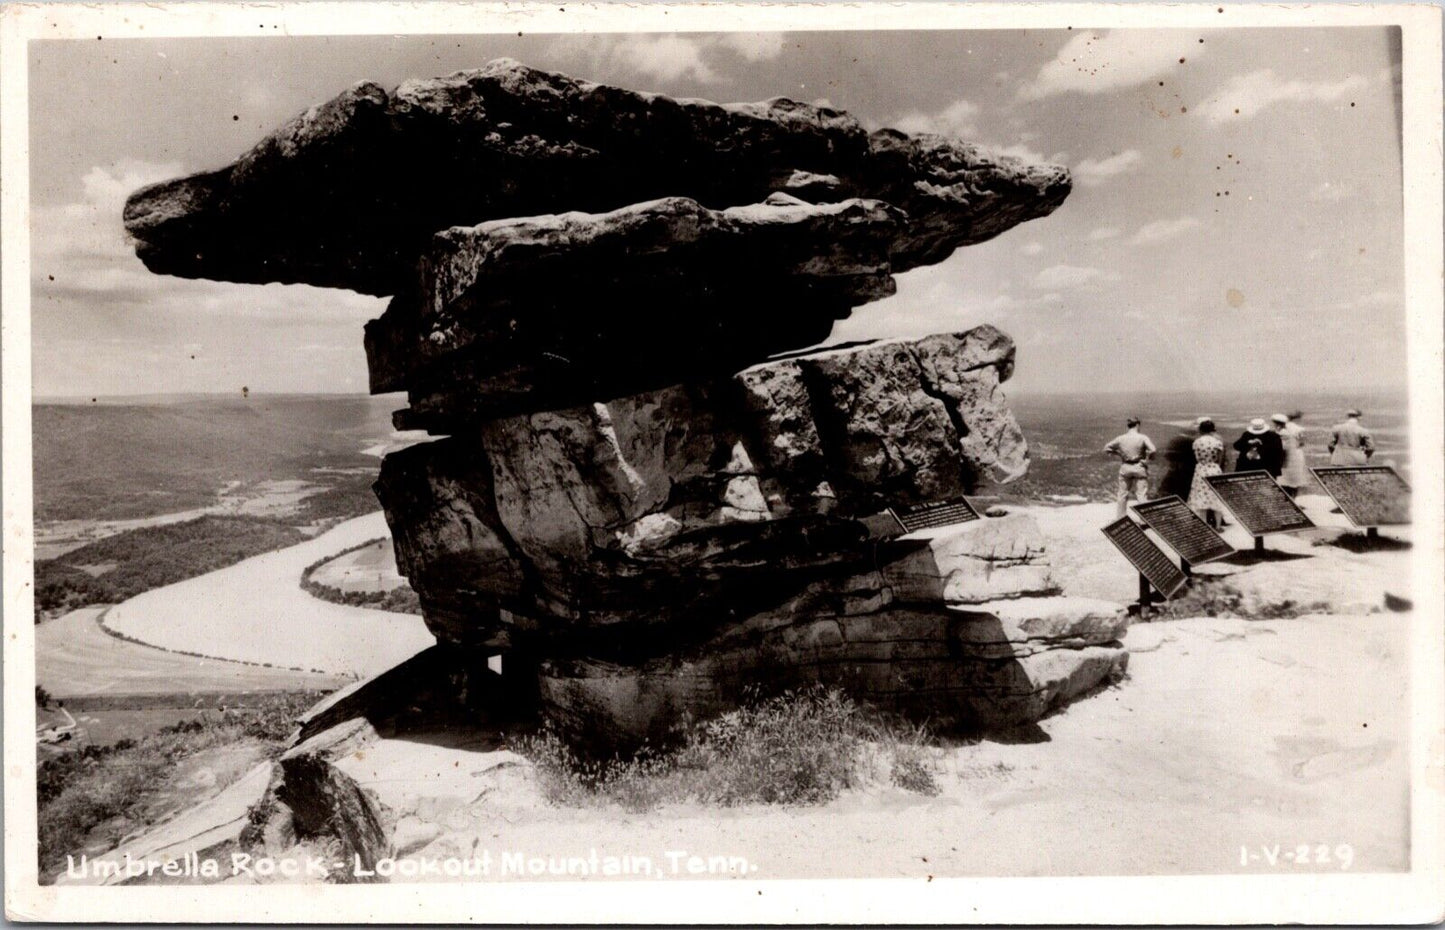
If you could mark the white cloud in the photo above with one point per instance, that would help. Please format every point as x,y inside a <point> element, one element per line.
<point>1102,233</point>
<point>1033,248</point>
<point>1161,230</point>
<point>665,57</point>
<point>1069,277</point>
<point>1092,172</point>
<point>670,56</point>
<point>1017,151</point>
<point>755,46</point>
<point>956,120</point>
<point>1097,62</point>
<point>1247,95</point>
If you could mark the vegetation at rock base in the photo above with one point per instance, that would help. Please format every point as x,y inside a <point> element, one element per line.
<point>799,747</point>
<point>151,557</point>
<point>100,794</point>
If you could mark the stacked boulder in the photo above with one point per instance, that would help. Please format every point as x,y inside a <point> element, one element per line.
<point>648,494</point>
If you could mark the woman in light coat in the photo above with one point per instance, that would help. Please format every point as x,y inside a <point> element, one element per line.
<point>1294,476</point>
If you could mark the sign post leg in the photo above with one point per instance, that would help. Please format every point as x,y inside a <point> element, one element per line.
<point>1372,532</point>
<point>1186,568</point>
<point>1259,544</point>
<point>1145,595</point>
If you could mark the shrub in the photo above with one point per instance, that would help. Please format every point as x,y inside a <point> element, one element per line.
<point>79,792</point>
<point>800,747</point>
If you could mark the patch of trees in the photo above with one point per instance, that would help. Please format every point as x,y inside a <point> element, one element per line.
<point>401,600</point>
<point>151,557</point>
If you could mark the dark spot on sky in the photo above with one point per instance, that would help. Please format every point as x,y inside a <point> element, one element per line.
<point>1352,103</point>
<point>1183,109</point>
<point>235,118</point>
<point>51,277</point>
<point>1181,61</point>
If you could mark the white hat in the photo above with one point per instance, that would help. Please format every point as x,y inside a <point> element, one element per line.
<point>1257,426</point>
<point>1280,418</point>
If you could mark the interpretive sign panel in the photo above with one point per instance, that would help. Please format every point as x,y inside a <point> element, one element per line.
<point>934,514</point>
<point>1368,495</point>
<point>1194,540</point>
<point>1259,503</point>
<point>1152,562</point>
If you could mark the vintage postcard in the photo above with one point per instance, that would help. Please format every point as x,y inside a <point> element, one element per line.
<point>726,463</point>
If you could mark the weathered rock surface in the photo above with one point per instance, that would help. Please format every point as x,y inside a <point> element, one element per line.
<point>734,492</point>
<point>532,314</point>
<point>651,494</point>
<point>994,666</point>
<point>349,193</point>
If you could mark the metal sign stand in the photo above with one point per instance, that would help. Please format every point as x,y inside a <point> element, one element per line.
<point>1146,597</point>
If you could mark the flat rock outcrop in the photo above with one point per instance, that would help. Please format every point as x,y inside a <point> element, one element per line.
<point>350,192</point>
<point>653,491</point>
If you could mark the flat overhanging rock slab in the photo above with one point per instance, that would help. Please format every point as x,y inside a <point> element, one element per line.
<point>348,193</point>
<point>572,307</point>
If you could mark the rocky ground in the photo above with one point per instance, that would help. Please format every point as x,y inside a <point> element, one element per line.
<point>1231,740</point>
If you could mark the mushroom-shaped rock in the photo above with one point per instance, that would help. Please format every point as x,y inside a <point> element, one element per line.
<point>349,193</point>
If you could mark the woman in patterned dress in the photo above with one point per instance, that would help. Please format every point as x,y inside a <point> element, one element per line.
<point>1208,460</point>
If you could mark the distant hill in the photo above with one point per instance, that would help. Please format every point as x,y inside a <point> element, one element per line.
<point>121,460</point>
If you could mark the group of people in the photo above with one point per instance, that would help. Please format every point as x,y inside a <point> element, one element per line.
<point>1276,447</point>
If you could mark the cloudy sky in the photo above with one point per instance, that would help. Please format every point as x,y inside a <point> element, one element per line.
<point>1235,222</point>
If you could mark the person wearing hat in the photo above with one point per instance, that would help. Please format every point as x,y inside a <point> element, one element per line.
<point>1259,448</point>
<point>1351,443</point>
<point>1293,476</point>
<point>1208,460</point>
<point>1133,450</point>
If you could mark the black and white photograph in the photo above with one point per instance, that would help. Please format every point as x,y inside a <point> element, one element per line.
<point>699,464</point>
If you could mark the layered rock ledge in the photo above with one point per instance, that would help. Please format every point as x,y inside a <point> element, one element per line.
<point>350,192</point>
<point>694,499</point>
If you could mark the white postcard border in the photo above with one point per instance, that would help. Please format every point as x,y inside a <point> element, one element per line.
<point>1410,897</point>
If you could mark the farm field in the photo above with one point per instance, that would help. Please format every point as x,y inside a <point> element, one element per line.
<point>372,568</point>
<point>256,611</point>
<point>74,657</point>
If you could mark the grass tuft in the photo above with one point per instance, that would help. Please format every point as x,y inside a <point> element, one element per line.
<point>799,747</point>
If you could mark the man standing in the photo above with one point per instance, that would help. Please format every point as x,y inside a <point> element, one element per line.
<point>1133,450</point>
<point>1351,443</point>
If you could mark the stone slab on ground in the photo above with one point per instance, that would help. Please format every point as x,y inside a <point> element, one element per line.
<point>203,830</point>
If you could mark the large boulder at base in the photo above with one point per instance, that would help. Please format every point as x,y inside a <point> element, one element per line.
<point>349,193</point>
<point>733,493</point>
<point>985,667</point>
